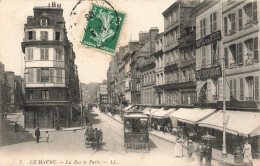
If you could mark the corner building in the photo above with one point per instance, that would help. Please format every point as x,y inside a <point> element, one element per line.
<point>52,84</point>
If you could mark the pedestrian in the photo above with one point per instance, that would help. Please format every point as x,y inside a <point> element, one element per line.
<point>200,150</point>
<point>5,114</point>
<point>16,127</point>
<point>96,139</point>
<point>37,134</point>
<point>47,137</point>
<point>238,156</point>
<point>247,154</point>
<point>190,150</point>
<point>208,153</point>
<point>178,147</point>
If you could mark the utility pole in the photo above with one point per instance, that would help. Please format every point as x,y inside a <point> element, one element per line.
<point>224,149</point>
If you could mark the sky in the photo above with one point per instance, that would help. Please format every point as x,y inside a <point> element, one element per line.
<point>141,15</point>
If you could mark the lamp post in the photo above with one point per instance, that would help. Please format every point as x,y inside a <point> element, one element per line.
<point>224,150</point>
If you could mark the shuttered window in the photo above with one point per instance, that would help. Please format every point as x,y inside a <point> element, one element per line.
<point>255,11</point>
<point>226,56</point>
<point>225,25</point>
<point>256,48</point>
<point>241,89</point>
<point>240,19</point>
<point>213,22</point>
<point>256,88</point>
<point>30,75</point>
<point>239,53</point>
<point>52,75</point>
<point>231,90</point>
<point>38,75</point>
<point>44,54</point>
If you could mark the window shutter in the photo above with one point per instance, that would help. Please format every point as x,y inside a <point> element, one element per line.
<point>46,54</point>
<point>235,88</point>
<point>42,35</point>
<point>51,75</point>
<point>215,21</point>
<point>38,75</point>
<point>201,28</point>
<point>240,19</point>
<point>256,88</point>
<point>211,23</point>
<point>46,35</point>
<point>33,35</point>
<point>255,11</point>
<point>225,25</point>
<point>256,48</point>
<point>42,54</point>
<point>231,90</point>
<point>241,89</point>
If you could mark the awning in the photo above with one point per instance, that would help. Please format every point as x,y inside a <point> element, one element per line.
<point>149,112</point>
<point>128,107</point>
<point>162,113</point>
<point>255,132</point>
<point>191,115</point>
<point>238,122</point>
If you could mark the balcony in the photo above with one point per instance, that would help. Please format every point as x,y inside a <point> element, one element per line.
<point>248,24</point>
<point>187,62</point>
<point>41,42</point>
<point>171,67</point>
<point>185,85</point>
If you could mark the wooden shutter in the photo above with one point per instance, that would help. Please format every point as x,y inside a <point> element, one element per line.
<point>38,74</point>
<point>33,35</point>
<point>226,57</point>
<point>42,53</point>
<point>240,19</point>
<point>241,89</point>
<point>255,11</point>
<point>231,90</point>
<point>211,23</point>
<point>225,25</point>
<point>51,75</point>
<point>46,54</point>
<point>256,88</point>
<point>235,88</point>
<point>256,48</point>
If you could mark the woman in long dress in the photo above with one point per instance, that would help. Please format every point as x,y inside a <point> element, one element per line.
<point>178,148</point>
<point>247,153</point>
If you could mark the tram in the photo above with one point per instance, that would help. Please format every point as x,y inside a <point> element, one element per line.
<point>136,136</point>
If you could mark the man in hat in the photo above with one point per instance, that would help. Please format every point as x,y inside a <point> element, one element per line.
<point>37,134</point>
<point>190,150</point>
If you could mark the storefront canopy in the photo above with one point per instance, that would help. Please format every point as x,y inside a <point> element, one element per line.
<point>191,115</point>
<point>147,109</point>
<point>128,107</point>
<point>238,122</point>
<point>162,113</point>
<point>149,112</point>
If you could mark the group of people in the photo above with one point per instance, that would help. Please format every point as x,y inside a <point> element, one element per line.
<point>38,134</point>
<point>202,150</point>
<point>4,115</point>
<point>243,157</point>
<point>93,137</point>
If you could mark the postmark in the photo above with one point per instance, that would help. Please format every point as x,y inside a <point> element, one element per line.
<point>103,29</point>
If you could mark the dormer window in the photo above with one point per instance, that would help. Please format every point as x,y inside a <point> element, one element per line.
<point>44,22</point>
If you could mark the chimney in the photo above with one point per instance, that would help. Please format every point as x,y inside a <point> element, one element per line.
<point>49,5</point>
<point>143,36</point>
<point>54,4</point>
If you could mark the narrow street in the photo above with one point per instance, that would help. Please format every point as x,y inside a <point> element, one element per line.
<point>70,146</point>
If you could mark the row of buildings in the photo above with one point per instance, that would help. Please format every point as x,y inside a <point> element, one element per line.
<point>12,91</point>
<point>183,66</point>
<point>52,94</point>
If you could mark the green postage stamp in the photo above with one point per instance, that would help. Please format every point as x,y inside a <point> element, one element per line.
<point>103,29</point>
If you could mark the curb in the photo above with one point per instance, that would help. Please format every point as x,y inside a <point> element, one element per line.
<point>213,158</point>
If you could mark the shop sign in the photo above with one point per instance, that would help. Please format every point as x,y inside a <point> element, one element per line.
<point>47,104</point>
<point>208,39</point>
<point>213,72</point>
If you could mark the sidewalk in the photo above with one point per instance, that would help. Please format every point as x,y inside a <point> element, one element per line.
<point>172,138</point>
